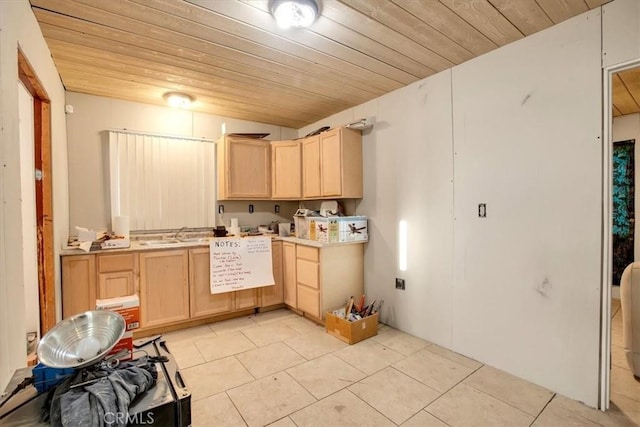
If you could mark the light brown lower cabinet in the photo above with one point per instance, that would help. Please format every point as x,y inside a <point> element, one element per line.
<point>117,274</point>
<point>326,277</point>
<point>78,284</point>
<point>202,302</point>
<point>272,295</point>
<point>173,285</point>
<point>247,298</point>
<point>86,278</point>
<point>289,273</point>
<point>164,287</point>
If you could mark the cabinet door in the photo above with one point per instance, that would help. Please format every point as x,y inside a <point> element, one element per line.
<point>331,163</point>
<point>202,302</point>
<point>289,273</point>
<point>78,284</point>
<point>118,284</point>
<point>309,301</point>
<point>247,169</point>
<point>164,288</point>
<point>247,298</point>
<point>286,170</point>
<point>311,167</point>
<point>272,295</point>
<point>117,275</point>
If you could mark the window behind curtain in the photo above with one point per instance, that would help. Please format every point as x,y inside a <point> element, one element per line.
<point>162,182</point>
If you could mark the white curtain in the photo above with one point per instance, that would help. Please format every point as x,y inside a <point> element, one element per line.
<point>162,182</point>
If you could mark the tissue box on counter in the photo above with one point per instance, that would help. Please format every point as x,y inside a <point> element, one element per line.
<point>129,308</point>
<point>339,229</point>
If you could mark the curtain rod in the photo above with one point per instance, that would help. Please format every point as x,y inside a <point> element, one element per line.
<point>161,135</point>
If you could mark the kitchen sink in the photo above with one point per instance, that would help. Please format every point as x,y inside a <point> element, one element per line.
<point>160,242</point>
<point>195,239</point>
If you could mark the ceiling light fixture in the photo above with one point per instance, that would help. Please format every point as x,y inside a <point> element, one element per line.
<point>294,13</point>
<point>178,99</point>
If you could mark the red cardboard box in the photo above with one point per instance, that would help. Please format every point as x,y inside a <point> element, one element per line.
<point>129,308</point>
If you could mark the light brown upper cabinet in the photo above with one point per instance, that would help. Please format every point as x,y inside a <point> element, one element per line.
<point>332,165</point>
<point>244,168</point>
<point>311,182</point>
<point>286,170</point>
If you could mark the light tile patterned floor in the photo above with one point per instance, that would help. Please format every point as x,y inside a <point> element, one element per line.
<point>282,369</point>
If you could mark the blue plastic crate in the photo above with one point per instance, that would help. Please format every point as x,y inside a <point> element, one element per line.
<point>45,377</point>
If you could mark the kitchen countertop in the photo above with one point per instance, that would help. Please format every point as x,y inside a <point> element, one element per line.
<point>139,245</point>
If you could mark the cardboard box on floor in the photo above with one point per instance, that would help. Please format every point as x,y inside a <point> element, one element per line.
<point>352,332</point>
<point>129,308</point>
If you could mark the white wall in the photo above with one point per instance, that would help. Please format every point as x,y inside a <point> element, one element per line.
<point>520,129</point>
<point>624,128</point>
<point>620,32</point>
<point>18,27</point>
<point>88,152</point>
<point>527,142</point>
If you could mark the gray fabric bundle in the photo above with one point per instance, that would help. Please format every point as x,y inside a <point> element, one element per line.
<point>104,402</point>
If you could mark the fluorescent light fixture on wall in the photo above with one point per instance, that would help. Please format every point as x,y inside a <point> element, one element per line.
<point>178,99</point>
<point>402,245</point>
<point>294,13</point>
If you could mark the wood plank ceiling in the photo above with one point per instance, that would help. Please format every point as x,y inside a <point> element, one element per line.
<point>233,58</point>
<point>626,92</point>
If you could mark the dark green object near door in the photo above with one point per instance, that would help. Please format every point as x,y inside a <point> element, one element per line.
<point>623,207</point>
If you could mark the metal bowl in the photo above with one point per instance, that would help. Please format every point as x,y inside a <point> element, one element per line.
<point>81,340</point>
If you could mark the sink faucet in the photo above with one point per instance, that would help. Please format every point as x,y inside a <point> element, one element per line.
<point>179,231</point>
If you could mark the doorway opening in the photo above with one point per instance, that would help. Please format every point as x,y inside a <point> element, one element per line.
<point>619,387</point>
<point>43,192</point>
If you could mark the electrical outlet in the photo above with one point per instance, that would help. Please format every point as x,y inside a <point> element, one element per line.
<point>399,283</point>
<point>250,208</point>
<point>220,209</point>
<point>276,208</point>
<point>482,210</point>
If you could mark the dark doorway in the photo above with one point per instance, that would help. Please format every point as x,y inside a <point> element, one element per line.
<point>623,207</point>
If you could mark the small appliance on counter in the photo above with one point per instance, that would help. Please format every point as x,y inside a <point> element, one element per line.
<point>329,208</point>
<point>301,222</point>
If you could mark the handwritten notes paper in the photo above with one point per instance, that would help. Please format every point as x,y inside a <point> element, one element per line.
<point>241,263</point>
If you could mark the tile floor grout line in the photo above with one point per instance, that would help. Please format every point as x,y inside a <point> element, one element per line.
<point>367,403</point>
<point>504,401</point>
<point>437,417</point>
<point>236,408</point>
<point>452,387</point>
<point>404,373</point>
<point>543,409</point>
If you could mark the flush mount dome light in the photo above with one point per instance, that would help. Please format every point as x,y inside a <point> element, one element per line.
<point>294,13</point>
<point>178,99</point>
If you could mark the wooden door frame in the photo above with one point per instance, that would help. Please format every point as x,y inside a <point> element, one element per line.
<point>43,191</point>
